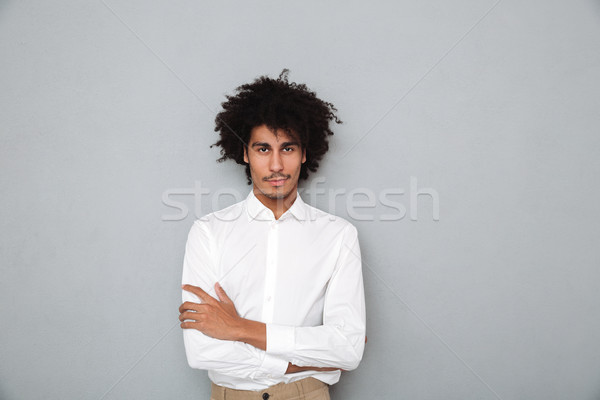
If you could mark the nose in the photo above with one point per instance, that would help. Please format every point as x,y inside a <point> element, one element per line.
<point>276,164</point>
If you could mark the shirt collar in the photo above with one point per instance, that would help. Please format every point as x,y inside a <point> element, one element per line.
<point>257,210</point>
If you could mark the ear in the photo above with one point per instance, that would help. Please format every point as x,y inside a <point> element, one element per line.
<point>303,156</point>
<point>246,155</point>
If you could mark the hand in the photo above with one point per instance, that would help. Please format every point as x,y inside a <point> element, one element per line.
<point>292,368</point>
<point>215,318</point>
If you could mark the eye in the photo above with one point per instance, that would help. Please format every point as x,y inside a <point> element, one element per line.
<point>288,149</point>
<point>262,150</point>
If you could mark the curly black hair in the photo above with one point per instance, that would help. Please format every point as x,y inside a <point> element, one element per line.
<point>278,104</point>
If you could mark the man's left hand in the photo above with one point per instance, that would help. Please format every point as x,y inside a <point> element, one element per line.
<point>215,318</point>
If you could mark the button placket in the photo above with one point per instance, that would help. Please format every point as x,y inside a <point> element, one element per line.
<point>270,272</point>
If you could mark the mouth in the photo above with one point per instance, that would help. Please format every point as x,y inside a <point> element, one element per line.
<point>277,182</point>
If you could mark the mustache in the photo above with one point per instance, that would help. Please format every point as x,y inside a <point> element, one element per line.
<point>277,176</point>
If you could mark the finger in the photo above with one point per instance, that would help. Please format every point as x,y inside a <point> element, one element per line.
<point>190,325</point>
<point>326,369</point>
<point>221,293</point>
<point>205,297</point>
<point>193,316</point>
<point>189,306</point>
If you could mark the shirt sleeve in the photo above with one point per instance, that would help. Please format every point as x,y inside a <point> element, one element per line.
<point>203,352</point>
<point>340,341</point>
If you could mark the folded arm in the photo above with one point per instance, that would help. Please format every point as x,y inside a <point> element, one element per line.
<point>233,358</point>
<point>273,349</point>
<point>340,341</point>
<point>219,319</point>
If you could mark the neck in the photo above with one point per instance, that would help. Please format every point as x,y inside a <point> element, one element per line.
<point>277,206</point>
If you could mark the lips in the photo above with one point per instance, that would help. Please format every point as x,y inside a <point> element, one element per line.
<point>277,182</point>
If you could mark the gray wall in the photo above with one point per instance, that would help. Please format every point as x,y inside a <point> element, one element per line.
<point>492,106</point>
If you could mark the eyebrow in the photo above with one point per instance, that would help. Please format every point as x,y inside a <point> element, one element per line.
<point>265,144</point>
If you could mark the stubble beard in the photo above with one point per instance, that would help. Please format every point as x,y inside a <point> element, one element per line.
<point>277,196</point>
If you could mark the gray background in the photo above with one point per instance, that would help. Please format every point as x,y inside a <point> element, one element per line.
<point>107,106</point>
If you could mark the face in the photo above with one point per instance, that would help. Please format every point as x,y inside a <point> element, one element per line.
<point>275,163</point>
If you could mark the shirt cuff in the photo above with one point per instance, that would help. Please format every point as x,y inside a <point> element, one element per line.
<point>273,366</point>
<point>280,339</point>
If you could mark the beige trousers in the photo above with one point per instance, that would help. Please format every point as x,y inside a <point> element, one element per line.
<point>304,389</point>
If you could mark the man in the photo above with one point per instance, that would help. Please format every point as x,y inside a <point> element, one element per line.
<point>273,290</point>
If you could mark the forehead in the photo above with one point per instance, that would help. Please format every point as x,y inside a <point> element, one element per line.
<point>265,135</point>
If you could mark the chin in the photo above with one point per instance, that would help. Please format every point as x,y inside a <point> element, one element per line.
<point>276,195</point>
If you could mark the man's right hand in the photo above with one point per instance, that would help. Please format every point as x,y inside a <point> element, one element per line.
<point>294,368</point>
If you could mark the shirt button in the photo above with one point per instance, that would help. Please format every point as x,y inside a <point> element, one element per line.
<point>269,298</point>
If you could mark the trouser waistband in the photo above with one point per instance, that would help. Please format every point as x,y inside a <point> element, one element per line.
<point>307,388</point>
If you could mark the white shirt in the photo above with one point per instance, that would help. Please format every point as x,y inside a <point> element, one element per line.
<point>301,275</point>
